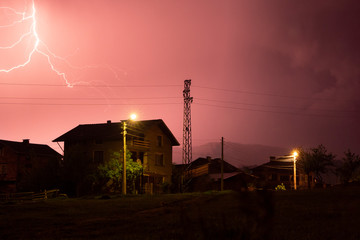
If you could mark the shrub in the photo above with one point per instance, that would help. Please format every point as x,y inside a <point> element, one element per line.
<point>280,187</point>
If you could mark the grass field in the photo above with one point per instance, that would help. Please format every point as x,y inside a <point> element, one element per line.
<point>317,214</point>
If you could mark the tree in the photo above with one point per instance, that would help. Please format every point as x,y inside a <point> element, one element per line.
<point>316,161</point>
<point>306,164</point>
<point>350,169</point>
<point>110,173</point>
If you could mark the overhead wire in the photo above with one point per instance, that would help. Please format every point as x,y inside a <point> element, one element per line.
<point>278,112</point>
<point>266,94</point>
<point>91,85</point>
<point>296,112</point>
<point>274,106</point>
<point>88,104</point>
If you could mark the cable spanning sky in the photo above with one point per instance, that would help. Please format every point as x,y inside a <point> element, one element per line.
<point>281,73</point>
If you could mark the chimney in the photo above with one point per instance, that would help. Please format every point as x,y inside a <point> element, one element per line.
<point>26,141</point>
<point>108,122</point>
<point>208,158</point>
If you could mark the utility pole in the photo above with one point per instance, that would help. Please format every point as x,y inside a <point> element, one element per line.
<point>295,155</point>
<point>124,162</point>
<point>222,165</point>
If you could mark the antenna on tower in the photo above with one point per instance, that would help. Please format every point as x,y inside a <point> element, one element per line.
<point>187,141</point>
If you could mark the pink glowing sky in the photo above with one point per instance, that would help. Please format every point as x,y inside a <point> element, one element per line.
<point>281,73</point>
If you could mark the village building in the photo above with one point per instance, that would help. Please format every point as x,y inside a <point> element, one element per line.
<point>204,174</point>
<point>280,170</point>
<point>26,166</point>
<point>88,145</point>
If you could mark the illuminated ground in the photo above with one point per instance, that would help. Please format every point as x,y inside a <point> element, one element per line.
<point>321,214</point>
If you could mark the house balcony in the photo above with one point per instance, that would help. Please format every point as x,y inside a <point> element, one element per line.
<point>139,144</point>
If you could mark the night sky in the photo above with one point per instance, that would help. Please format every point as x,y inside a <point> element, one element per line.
<point>280,73</point>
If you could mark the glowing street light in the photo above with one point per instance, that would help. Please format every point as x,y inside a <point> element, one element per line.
<point>295,155</point>
<point>132,117</point>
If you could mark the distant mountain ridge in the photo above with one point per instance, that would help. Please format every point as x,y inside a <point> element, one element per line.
<point>237,154</point>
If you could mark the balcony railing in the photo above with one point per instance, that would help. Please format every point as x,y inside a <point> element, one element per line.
<point>142,144</point>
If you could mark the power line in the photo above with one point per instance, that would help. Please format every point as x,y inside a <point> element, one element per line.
<point>268,111</point>
<point>273,106</point>
<point>88,104</point>
<point>145,98</point>
<point>92,85</point>
<point>173,103</point>
<point>268,94</point>
<point>88,98</point>
<point>174,85</point>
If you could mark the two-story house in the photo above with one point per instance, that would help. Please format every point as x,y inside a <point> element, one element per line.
<point>150,143</point>
<point>280,170</point>
<point>25,166</point>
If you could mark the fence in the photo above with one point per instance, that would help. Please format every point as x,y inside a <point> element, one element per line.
<point>29,196</point>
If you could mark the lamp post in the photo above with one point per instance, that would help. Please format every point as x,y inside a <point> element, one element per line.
<point>132,117</point>
<point>124,161</point>
<point>295,155</point>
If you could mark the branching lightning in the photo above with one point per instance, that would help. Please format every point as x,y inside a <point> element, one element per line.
<point>31,34</point>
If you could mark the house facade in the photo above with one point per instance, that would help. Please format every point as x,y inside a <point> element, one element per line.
<point>280,170</point>
<point>204,174</point>
<point>25,166</point>
<point>150,143</point>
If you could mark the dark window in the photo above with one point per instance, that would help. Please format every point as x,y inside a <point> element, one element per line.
<point>134,156</point>
<point>28,163</point>
<point>274,177</point>
<point>159,159</point>
<point>1,151</point>
<point>98,157</point>
<point>141,157</point>
<point>284,178</point>
<point>2,169</point>
<point>159,141</point>
<point>158,180</point>
<point>98,141</point>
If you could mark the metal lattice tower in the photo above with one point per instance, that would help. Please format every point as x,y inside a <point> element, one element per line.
<point>187,141</point>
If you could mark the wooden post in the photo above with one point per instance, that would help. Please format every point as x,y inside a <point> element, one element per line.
<point>294,172</point>
<point>222,165</point>
<point>124,161</point>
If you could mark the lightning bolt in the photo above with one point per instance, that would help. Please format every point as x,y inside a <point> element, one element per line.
<point>32,34</point>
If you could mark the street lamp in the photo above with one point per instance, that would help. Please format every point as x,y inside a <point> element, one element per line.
<point>132,117</point>
<point>295,155</point>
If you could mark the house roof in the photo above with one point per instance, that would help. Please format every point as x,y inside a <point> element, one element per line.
<point>214,165</point>
<point>30,148</point>
<point>217,176</point>
<point>113,131</point>
<point>278,163</point>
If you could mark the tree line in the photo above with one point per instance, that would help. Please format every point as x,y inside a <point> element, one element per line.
<point>319,161</point>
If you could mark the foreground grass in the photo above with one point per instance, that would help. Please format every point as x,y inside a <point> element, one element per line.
<point>321,214</point>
